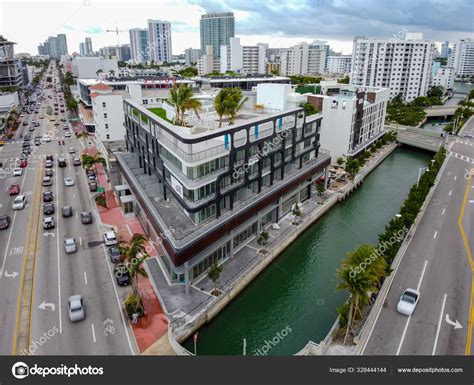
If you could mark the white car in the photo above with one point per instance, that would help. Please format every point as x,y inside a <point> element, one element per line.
<point>407,303</point>
<point>47,138</point>
<point>68,182</point>
<point>71,150</point>
<point>70,245</point>
<point>110,238</point>
<point>17,171</point>
<point>19,203</point>
<point>76,309</point>
<point>67,134</point>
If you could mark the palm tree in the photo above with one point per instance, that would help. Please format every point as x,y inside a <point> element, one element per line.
<point>135,253</point>
<point>89,161</point>
<point>235,102</point>
<point>220,104</point>
<point>214,273</point>
<point>112,73</point>
<point>181,98</point>
<point>99,71</point>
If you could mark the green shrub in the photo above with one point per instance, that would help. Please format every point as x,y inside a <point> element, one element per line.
<point>133,305</point>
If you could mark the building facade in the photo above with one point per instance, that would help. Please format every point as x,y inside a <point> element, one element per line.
<point>304,59</point>
<point>353,117</point>
<point>462,58</point>
<point>205,194</point>
<point>403,66</point>
<point>159,41</point>
<point>249,60</point>
<point>11,73</point>
<point>88,47</point>
<point>191,55</point>
<point>62,44</point>
<point>339,65</point>
<point>139,50</point>
<point>442,76</point>
<point>216,29</point>
<point>207,63</point>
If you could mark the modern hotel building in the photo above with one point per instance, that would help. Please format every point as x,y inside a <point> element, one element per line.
<point>204,192</point>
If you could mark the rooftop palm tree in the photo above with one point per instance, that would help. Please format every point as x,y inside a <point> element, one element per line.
<point>220,104</point>
<point>181,98</point>
<point>235,102</point>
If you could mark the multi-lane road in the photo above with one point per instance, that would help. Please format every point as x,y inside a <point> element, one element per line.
<point>38,277</point>
<point>438,262</point>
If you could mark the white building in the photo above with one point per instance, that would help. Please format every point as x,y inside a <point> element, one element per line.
<point>304,59</point>
<point>8,101</point>
<point>191,55</point>
<point>207,63</point>
<point>139,49</point>
<point>353,117</point>
<point>339,65</point>
<point>87,67</point>
<point>250,60</point>
<point>403,66</point>
<point>159,41</point>
<point>442,76</point>
<point>462,58</point>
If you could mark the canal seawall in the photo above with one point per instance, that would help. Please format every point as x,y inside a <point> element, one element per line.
<point>180,331</point>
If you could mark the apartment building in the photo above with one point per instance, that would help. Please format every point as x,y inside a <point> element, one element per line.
<point>191,55</point>
<point>353,117</point>
<point>139,45</point>
<point>11,73</point>
<point>462,58</point>
<point>89,67</point>
<point>402,65</point>
<point>339,65</point>
<point>250,60</point>
<point>442,76</point>
<point>159,41</point>
<point>216,29</point>
<point>207,63</point>
<point>204,192</point>
<point>304,59</point>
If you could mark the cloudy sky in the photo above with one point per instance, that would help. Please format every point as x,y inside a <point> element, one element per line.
<point>280,23</point>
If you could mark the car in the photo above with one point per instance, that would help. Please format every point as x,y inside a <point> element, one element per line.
<point>56,123</point>
<point>25,123</point>
<point>93,186</point>
<point>14,189</point>
<point>32,128</point>
<point>48,223</point>
<point>63,119</point>
<point>115,254</point>
<point>67,134</point>
<point>41,116</point>
<point>17,171</point>
<point>68,182</point>
<point>37,142</point>
<point>70,245</point>
<point>19,202</point>
<point>90,172</point>
<point>91,178</point>
<point>48,172</point>
<point>65,126</point>
<point>48,164</point>
<point>47,181</point>
<point>48,209</point>
<point>62,162</point>
<point>67,211</point>
<point>76,162</point>
<point>48,196</point>
<point>47,138</point>
<point>86,217</point>
<point>23,163</point>
<point>72,150</point>
<point>122,275</point>
<point>76,308</point>
<point>49,157</point>
<point>110,238</point>
<point>5,222</point>
<point>408,300</point>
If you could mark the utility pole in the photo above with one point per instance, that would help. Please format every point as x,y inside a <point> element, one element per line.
<point>117,31</point>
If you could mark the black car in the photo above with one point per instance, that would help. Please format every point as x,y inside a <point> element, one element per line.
<point>86,218</point>
<point>48,196</point>
<point>49,157</point>
<point>115,254</point>
<point>67,211</point>
<point>48,209</point>
<point>4,222</point>
<point>121,274</point>
<point>48,172</point>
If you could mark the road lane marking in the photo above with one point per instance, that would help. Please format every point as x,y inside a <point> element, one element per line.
<point>455,177</point>
<point>444,210</point>
<point>80,241</point>
<point>85,277</point>
<point>59,264</point>
<point>470,321</point>
<point>409,318</point>
<point>450,192</point>
<point>438,328</point>
<point>435,234</point>
<point>93,333</point>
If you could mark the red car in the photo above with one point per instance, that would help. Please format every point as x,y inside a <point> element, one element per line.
<point>23,163</point>
<point>14,189</point>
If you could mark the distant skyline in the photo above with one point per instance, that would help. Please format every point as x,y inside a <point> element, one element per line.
<point>279,23</point>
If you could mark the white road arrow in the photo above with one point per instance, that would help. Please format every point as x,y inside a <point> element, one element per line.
<point>12,275</point>
<point>48,234</point>
<point>44,305</point>
<point>108,320</point>
<point>456,324</point>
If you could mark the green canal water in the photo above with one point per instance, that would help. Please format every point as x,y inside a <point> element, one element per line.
<point>296,295</point>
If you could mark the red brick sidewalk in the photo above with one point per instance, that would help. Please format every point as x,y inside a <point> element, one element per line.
<point>154,324</point>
